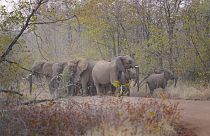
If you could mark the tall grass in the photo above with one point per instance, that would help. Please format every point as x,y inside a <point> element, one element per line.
<point>183,90</point>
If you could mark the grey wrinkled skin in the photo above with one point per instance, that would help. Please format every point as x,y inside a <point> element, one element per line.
<point>51,71</point>
<point>125,78</point>
<point>69,77</point>
<point>108,72</point>
<point>159,80</point>
<point>55,77</point>
<point>37,68</point>
<point>175,77</point>
<point>84,76</point>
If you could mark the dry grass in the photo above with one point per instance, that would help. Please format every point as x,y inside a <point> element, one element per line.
<point>190,91</point>
<point>183,90</point>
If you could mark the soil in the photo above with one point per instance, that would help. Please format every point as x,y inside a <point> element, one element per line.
<point>195,117</point>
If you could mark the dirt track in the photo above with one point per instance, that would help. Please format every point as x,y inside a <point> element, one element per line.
<point>195,114</point>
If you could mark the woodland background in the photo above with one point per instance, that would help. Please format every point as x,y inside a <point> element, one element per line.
<point>173,34</point>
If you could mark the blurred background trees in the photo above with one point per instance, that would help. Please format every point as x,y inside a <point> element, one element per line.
<point>172,34</point>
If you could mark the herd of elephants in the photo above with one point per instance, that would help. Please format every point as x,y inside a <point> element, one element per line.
<point>101,77</point>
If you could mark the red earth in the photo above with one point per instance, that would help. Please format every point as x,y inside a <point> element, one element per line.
<point>195,117</point>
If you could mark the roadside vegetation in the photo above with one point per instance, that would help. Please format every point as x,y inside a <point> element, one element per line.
<point>106,116</point>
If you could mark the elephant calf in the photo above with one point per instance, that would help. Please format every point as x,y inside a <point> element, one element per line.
<point>159,80</point>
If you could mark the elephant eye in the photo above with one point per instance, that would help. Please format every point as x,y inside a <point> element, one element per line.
<point>130,61</point>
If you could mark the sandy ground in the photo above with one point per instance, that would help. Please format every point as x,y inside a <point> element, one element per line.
<point>195,116</point>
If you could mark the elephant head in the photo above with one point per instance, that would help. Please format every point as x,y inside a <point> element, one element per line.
<point>82,65</point>
<point>123,63</point>
<point>126,61</point>
<point>169,75</point>
<point>58,68</point>
<point>37,69</point>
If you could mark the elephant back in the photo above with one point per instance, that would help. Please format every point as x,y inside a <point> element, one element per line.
<point>37,67</point>
<point>47,69</point>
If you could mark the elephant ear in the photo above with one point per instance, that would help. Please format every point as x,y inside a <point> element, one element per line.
<point>119,63</point>
<point>82,66</point>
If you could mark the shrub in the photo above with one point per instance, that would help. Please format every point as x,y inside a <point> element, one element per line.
<point>106,116</point>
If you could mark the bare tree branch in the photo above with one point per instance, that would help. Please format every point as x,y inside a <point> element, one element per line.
<point>3,56</point>
<point>52,22</point>
<point>18,65</point>
<point>10,91</point>
<point>39,48</point>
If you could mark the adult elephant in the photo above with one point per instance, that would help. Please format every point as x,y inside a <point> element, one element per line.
<point>105,72</point>
<point>52,72</point>
<point>69,77</point>
<point>37,68</point>
<point>159,80</point>
<point>83,75</point>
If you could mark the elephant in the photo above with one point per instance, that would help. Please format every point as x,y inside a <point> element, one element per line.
<point>51,72</point>
<point>175,77</point>
<point>105,72</point>
<point>47,70</point>
<point>68,74</point>
<point>83,75</point>
<point>159,80</point>
<point>36,69</point>
<point>125,78</point>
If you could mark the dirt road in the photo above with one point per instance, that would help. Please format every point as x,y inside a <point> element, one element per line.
<point>196,116</point>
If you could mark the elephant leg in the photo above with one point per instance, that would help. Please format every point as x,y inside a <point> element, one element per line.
<point>84,90</point>
<point>151,89</point>
<point>108,90</point>
<point>98,89</point>
<point>51,90</point>
<point>51,87</point>
<point>92,89</point>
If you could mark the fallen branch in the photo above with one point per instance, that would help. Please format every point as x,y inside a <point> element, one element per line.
<point>37,101</point>
<point>10,91</point>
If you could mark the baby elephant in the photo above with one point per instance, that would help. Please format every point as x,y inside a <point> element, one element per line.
<point>159,80</point>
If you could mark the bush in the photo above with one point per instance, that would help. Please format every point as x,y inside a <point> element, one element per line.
<point>106,116</point>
